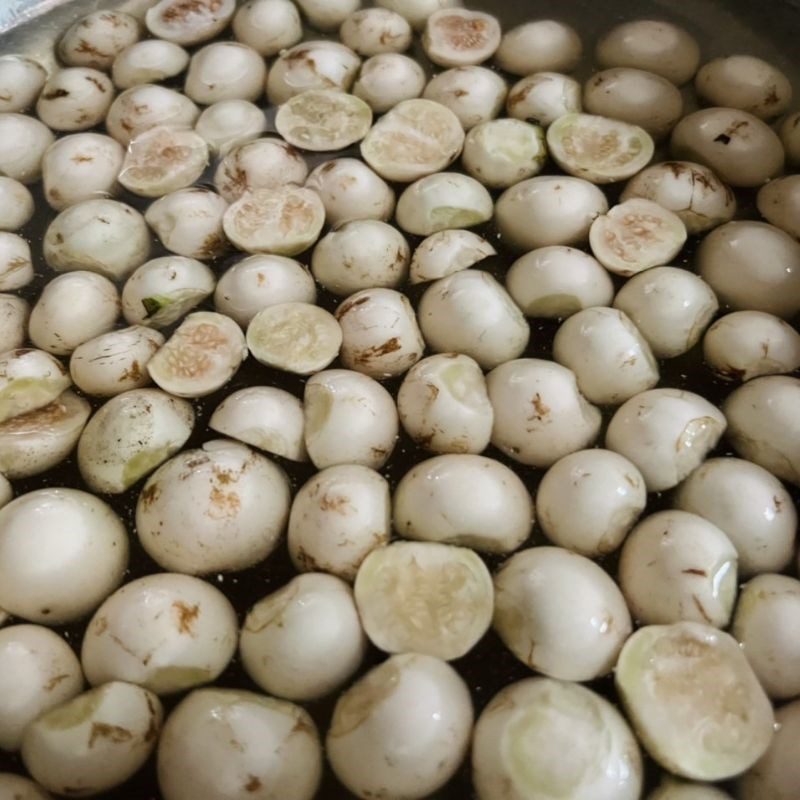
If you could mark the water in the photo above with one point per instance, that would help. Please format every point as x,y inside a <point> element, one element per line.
<point>721,26</point>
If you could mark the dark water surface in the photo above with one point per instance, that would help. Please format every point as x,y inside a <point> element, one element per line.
<point>769,29</point>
